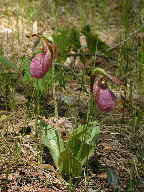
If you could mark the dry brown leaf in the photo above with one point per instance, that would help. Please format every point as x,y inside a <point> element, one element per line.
<point>102,175</point>
<point>108,148</point>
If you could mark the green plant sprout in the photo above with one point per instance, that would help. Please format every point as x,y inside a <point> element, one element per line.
<point>71,156</point>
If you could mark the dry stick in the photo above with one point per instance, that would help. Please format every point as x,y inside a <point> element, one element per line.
<point>87,55</point>
<point>109,49</point>
<point>125,40</point>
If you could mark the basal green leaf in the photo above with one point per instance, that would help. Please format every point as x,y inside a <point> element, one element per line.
<point>51,138</point>
<point>69,164</point>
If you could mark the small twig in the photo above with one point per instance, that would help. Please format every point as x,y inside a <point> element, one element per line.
<point>88,54</point>
<point>125,40</point>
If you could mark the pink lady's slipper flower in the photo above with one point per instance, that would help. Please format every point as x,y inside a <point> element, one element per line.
<point>40,65</point>
<point>104,98</point>
<point>43,61</point>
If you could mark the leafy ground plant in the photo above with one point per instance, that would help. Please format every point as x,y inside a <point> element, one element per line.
<point>70,156</point>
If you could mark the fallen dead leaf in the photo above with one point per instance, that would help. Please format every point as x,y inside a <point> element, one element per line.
<point>102,175</point>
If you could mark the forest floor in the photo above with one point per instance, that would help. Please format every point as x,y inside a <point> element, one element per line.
<point>24,169</point>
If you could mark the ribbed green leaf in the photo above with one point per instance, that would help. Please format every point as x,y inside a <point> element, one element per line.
<point>52,139</point>
<point>83,141</point>
<point>71,157</point>
<point>69,164</point>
